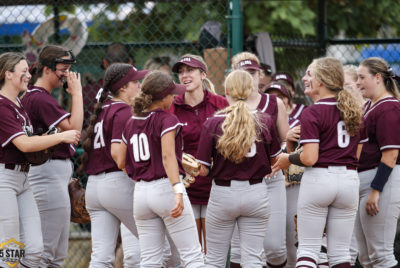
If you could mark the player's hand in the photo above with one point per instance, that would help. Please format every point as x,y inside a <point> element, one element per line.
<point>74,83</point>
<point>372,203</point>
<point>177,210</point>
<point>293,134</point>
<point>71,136</point>
<point>282,162</point>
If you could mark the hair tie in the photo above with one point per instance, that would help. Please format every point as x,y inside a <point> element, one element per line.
<point>390,72</point>
<point>242,99</point>
<point>33,65</point>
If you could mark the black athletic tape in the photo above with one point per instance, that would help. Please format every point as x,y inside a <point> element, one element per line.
<point>294,158</point>
<point>381,177</point>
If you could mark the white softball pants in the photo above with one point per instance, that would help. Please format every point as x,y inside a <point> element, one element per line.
<point>109,201</point>
<point>328,196</point>
<point>275,236</point>
<point>376,234</point>
<point>244,204</point>
<point>152,203</point>
<point>131,248</point>
<point>292,195</point>
<point>49,183</point>
<point>19,217</point>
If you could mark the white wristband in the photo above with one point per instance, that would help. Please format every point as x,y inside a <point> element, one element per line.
<point>178,188</point>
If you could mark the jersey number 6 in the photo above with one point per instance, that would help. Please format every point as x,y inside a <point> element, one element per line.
<point>343,136</point>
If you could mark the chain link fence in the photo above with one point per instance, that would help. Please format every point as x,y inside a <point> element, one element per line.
<point>154,35</point>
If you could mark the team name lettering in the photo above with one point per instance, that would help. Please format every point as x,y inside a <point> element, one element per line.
<point>275,86</point>
<point>245,62</point>
<point>185,59</point>
<point>281,76</point>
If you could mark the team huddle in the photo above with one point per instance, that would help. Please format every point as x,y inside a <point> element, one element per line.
<point>279,184</point>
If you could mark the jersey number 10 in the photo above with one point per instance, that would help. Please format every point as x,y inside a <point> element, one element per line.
<point>140,145</point>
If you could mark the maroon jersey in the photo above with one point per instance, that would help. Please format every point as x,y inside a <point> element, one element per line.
<point>14,122</point>
<point>269,105</point>
<point>321,123</point>
<point>257,162</point>
<point>192,118</point>
<point>45,113</point>
<point>107,130</point>
<point>294,117</point>
<point>382,121</point>
<point>142,136</point>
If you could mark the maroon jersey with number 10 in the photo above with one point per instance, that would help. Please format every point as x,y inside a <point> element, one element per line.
<point>142,136</point>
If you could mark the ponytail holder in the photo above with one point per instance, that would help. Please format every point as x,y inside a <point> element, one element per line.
<point>390,71</point>
<point>241,99</point>
<point>33,65</point>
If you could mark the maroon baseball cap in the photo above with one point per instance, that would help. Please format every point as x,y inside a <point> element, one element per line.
<point>283,76</point>
<point>192,62</point>
<point>132,75</point>
<point>249,65</point>
<point>281,88</point>
<point>175,89</point>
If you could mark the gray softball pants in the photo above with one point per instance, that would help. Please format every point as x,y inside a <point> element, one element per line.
<point>152,203</point>
<point>49,183</point>
<point>131,248</point>
<point>328,197</point>
<point>19,217</point>
<point>244,204</point>
<point>275,236</point>
<point>109,201</point>
<point>375,234</point>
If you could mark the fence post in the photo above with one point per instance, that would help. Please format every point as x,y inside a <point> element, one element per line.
<point>237,27</point>
<point>57,37</point>
<point>321,28</point>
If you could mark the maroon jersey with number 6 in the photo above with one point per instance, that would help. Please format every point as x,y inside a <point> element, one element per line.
<point>45,113</point>
<point>256,164</point>
<point>142,136</point>
<point>14,122</point>
<point>382,121</point>
<point>107,130</point>
<point>321,123</point>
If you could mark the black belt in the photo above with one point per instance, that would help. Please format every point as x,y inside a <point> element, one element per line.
<point>18,167</point>
<point>326,166</point>
<point>228,183</point>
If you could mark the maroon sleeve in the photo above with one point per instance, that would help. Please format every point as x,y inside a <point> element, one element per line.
<point>275,146</point>
<point>204,150</point>
<point>309,126</point>
<point>50,111</point>
<point>169,123</point>
<point>388,129</point>
<point>10,128</point>
<point>120,119</point>
<point>363,134</point>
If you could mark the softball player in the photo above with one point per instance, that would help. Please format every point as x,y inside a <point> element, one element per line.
<point>238,195</point>
<point>151,153</point>
<point>104,136</point>
<point>275,241</point>
<point>379,169</point>
<point>20,218</point>
<point>192,109</point>
<point>49,181</point>
<point>328,192</point>
<point>350,84</point>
